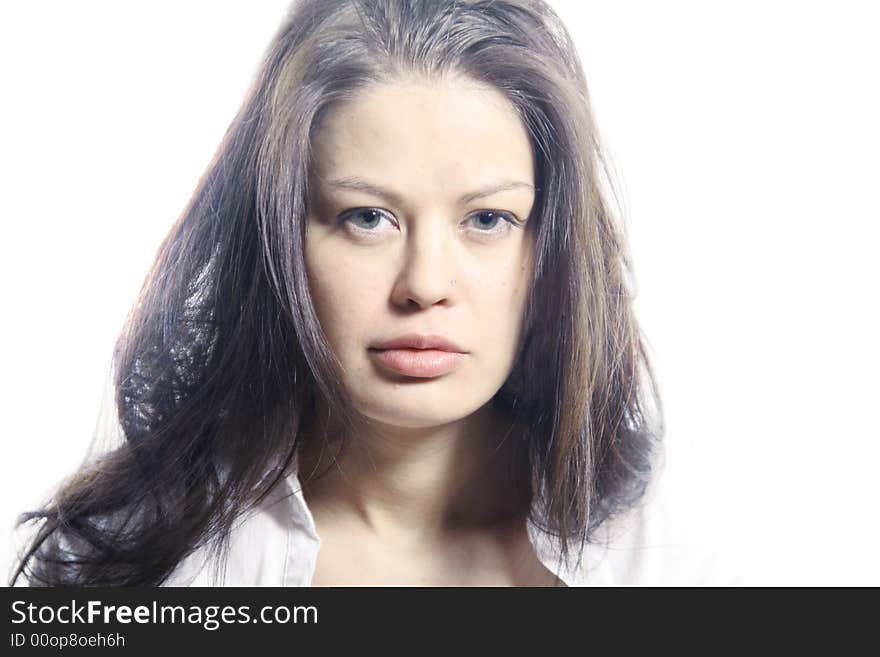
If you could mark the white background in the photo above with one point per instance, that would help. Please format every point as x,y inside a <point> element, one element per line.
<point>745,144</point>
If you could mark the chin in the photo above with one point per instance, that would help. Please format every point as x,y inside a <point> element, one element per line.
<point>419,415</point>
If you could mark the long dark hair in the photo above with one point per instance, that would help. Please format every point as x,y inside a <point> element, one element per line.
<point>222,361</point>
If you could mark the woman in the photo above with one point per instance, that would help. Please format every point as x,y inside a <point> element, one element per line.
<point>390,340</point>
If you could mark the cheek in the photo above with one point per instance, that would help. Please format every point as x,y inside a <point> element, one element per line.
<point>502,304</point>
<point>326,286</point>
<point>518,276</point>
<point>344,296</point>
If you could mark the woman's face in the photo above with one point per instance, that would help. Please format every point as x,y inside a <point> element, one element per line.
<point>418,225</point>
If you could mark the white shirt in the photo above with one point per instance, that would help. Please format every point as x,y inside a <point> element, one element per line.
<point>276,544</point>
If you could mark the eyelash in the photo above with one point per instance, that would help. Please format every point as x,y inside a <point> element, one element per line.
<point>508,219</point>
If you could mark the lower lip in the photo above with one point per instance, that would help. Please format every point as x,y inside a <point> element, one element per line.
<point>423,363</point>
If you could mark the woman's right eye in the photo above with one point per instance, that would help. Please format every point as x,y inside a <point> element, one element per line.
<point>364,219</point>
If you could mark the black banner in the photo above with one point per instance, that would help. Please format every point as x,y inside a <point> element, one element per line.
<point>244,620</point>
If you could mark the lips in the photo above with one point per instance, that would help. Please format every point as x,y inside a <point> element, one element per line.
<point>418,341</point>
<point>422,356</point>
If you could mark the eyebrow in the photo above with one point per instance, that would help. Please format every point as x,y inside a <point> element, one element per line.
<point>361,185</point>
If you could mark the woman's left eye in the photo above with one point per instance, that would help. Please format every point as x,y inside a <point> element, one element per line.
<point>488,220</point>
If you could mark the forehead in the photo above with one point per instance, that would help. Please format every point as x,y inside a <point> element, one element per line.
<point>421,134</point>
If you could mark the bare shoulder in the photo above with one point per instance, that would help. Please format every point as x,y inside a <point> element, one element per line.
<point>525,565</point>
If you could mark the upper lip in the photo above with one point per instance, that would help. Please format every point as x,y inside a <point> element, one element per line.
<point>419,341</point>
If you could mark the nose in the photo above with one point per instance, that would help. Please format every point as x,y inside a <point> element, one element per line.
<point>426,277</point>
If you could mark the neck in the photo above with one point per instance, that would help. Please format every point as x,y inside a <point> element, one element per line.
<point>420,481</point>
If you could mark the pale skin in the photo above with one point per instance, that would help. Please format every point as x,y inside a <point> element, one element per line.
<point>440,243</point>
